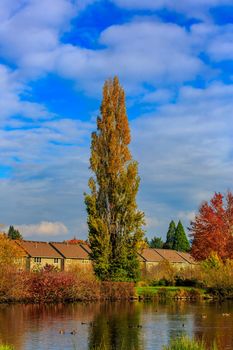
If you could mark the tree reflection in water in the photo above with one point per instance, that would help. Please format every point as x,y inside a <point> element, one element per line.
<point>116,326</point>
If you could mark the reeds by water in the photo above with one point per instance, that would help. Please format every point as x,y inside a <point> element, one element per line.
<point>185,343</point>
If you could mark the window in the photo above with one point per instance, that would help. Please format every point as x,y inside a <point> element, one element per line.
<point>85,261</point>
<point>55,260</point>
<point>37,260</point>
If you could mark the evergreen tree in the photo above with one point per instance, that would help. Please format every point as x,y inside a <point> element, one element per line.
<point>156,242</point>
<point>13,233</point>
<point>181,242</point>
<point>170,236</point>
<point>115,223</point>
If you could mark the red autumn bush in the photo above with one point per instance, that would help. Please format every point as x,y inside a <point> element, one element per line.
<point>117,290</point>
<point>51,287</point>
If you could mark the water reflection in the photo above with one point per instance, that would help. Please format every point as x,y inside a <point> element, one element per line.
<point>119,326</point>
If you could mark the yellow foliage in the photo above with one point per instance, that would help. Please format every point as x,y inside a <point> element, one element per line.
<point>10,253</point>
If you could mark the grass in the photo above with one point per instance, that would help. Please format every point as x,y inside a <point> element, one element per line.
<point>6,347</point>
<point>185,343</point>
<point>169,292</point>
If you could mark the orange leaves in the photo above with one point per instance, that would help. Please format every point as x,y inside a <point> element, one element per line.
<point>212,228</point>
<point>113,219</point>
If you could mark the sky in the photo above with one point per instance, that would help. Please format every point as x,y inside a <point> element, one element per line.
<point>175,62</point>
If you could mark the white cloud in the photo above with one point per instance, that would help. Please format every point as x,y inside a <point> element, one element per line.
<point>158,96</point>
<point>186,215</point>
<point>214,40</point>
<point>30,31</point>
<point>10,102</point>
<point>44,228</point>
<point>185,152</point>
<point>152,52</point>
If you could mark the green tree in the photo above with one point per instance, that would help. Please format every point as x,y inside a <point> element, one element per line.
<point>181,242</point>
<point>156,242</point>
<point>115,223</point>
<point>13,233</point>
<point>170,236</point>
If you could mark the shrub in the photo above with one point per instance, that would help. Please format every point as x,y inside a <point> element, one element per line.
<point>162,274</point>
<point>117,290</point>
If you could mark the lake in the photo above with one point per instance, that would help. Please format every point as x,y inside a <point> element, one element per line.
<point>120,326</point>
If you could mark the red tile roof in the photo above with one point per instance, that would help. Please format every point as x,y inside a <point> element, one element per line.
<point>70,251</point>
<point>151,255</point>
<point>39,249</point>
<point>187,257</point>
<point>171,255</point>
<point>86,247</point>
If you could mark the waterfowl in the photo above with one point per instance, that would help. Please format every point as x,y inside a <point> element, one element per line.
<point>225,314</point>
<point>204,316</point>
<point>61,331</point>
<point>73,332</point>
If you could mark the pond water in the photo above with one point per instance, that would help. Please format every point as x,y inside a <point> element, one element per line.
<point>120,326</point>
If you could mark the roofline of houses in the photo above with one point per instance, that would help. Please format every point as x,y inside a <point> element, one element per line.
<point>82,246</point>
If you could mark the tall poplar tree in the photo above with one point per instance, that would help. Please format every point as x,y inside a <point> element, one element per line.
<point>115,223</point>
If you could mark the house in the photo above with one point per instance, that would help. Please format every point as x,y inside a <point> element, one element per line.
<point>39,254</point>
<point>151,257</point>
<point>188,257</point>
<point>175,258</point>
<point>73,254</point>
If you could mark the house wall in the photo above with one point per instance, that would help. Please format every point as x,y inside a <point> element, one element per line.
<point>150,264</point>
<point>84,264</point>
<point>22,263</point>
<point>33,265</point>
<point>181,265</point>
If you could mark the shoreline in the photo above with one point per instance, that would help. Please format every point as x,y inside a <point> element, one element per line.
<point>142,294</point>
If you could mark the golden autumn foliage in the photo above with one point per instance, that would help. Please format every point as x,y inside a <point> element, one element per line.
<point>10,252</point>
<point>115,223</point>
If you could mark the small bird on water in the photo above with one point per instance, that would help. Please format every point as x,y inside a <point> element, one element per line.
<point>61,331</point>
<point>73,332</point>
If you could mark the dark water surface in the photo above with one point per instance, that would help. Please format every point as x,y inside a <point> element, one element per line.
<point>30,327</point>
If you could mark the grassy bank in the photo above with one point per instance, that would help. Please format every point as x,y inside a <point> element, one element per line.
<point>171,292</point>
<point>185,343</point>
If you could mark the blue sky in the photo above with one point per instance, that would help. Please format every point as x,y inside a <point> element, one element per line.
<point>175,61</point>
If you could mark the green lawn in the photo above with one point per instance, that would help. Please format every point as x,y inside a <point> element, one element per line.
<point>169,292</point>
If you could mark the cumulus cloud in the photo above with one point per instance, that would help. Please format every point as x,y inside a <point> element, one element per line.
<point>11,103</point>
<point>184,152</point>
<point>147,47</point>
<point>44,228</point>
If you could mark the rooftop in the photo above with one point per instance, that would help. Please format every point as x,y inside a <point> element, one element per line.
<point>39,249</point>
<point>150,255</point>
<point>171,255</point>
<point>71,251</point>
